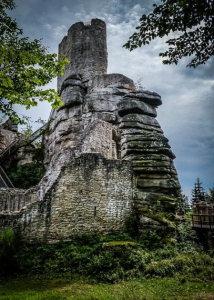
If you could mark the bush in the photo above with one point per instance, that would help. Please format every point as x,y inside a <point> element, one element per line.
<point>110,258</point>
<point>26,176</point>
<point>9,245</point>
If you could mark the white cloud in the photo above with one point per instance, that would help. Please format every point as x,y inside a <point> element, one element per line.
<point>65,10</point>
<point>47,26</point>
<point>60,31</point>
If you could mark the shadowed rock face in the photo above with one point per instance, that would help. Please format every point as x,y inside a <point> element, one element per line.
<point>104,119</point>
<point>143,142</point>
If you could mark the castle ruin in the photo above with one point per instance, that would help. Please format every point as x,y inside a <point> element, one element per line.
<point>106,155</point>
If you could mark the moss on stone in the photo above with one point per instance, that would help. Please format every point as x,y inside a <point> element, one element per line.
<point>119,243</point>
<point>142,162</point>
<point>160,217</point>
<point>163,198</point>
<point>154,163</point>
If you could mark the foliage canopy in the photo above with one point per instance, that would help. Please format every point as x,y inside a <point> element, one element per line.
<point>194,19</point>
<point>25,67</point>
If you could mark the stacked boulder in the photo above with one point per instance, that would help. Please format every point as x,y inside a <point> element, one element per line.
<point>105,92</point>
<point>142,141</point>
<point>66,122</point>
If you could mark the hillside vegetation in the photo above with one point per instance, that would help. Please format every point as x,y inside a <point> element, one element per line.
<point>136,267</point>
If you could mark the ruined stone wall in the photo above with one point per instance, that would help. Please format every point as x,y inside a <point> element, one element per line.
<point>91,195</point>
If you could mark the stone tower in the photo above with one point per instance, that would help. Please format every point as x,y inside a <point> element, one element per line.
<point>85,47</point>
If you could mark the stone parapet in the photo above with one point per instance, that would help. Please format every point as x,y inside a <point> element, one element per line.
<point>13,200</point>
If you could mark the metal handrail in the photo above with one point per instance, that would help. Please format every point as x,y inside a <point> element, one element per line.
<point>36,134</point>
<point>9,150</point>
<point>20,143</point>
<point>5,179</point>
<point>5,150</point>
<point>12,148</point>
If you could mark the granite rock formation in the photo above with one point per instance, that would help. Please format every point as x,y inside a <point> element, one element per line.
<point>105,153</point>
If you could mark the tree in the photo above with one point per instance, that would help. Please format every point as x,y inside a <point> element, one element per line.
<point>198,192</point>
<point>25,67</point>
<point>210,195</point>
<point>185,203</point>
<point>194,19</point>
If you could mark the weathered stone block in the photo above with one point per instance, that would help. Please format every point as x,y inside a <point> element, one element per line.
<point>105,116</point>
<point>113,80</point>
<point>147,96</point>
<point>138,125</point>
<point>146,120</point>
<point>61,116</point>
<point>142,151</point>
<point>145,139</point>
<point>101,102</point>
<point>131,105</point>
<point>72,96</point>
<point>163,183</point>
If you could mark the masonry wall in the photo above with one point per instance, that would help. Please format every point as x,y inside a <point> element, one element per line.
<point>92,194</point>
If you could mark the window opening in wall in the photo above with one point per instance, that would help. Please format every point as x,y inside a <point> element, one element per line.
<point>95,211</point>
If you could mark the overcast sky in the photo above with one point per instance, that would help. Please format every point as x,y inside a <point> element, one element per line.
<point>186,115</point>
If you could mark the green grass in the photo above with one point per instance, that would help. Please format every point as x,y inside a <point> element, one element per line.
<point>41,288</point>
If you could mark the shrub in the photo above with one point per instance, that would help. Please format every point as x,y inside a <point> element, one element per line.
<point>110,258</point>
<point>26,176</point>
<point>9,245</point>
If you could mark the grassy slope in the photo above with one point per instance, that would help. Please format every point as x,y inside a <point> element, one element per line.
<point>40,288</point>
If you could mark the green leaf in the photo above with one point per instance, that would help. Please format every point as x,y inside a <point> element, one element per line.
<point>180,17</point>
<point>24,66</point>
